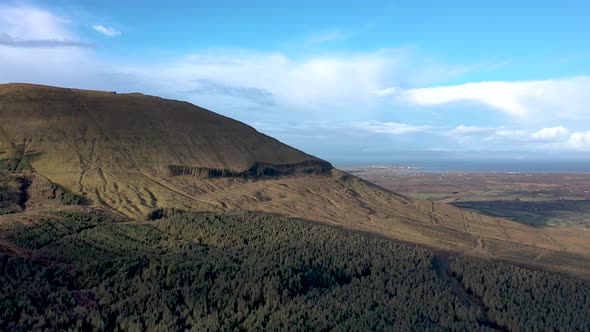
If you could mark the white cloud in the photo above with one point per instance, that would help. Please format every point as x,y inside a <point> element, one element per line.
<point>107,31</point>
<point>551,139</point>
<point>328,83</point>
<point>495,94</point>
<point>321,82</point>
<point>342,83</point>
<point>510,133</point>
<point>472,130</point>
<point>393,128</point>
<point>30,27</point>
<point>514,135</point>
<point>31,23</point>
<point>38,46</point>
<point>528,100</point>
<point>551,134</point>
<point>579,140</point>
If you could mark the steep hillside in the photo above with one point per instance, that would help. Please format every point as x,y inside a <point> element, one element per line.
<point>132,130</point>
<point>114,148</point>
<point>131,154</point>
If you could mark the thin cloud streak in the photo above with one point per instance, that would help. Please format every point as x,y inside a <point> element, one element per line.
<point>472,130</point>
<point>7,40</point>
<point>393,128</point>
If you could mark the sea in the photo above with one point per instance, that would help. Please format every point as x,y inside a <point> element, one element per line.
<point>487,166</point>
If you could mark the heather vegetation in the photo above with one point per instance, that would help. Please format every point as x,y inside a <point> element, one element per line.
<point>253,271</point>
<point>9,197</point>
<point>17,190</point>
<point>64,196</point>
<point>17,160</point>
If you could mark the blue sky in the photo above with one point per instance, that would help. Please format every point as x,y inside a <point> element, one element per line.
<point>390,81</point>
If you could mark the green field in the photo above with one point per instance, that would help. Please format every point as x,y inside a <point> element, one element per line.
<point>536,199</point>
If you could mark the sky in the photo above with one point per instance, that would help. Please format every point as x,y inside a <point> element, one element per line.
<point>379,81</point>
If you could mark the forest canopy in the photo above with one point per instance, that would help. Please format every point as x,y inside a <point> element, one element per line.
<point>252,271</point>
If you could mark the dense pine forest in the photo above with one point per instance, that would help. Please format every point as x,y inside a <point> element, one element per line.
<point>253,271</point>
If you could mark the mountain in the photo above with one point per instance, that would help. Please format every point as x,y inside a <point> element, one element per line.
<point>133,155</point>
<point>114,148</point>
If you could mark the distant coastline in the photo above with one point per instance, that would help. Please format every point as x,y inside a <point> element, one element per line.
<point>475,166</point>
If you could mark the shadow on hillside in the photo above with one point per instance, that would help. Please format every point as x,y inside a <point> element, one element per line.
<point>19,160</point>
<point>533,213</point>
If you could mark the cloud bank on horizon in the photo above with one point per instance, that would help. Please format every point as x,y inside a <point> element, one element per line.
<point>327,91</point>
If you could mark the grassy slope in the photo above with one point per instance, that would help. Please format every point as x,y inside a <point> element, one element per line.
<point>113,148</point>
